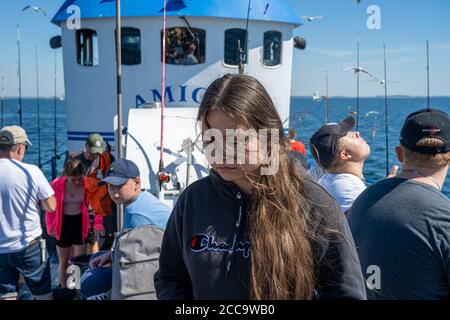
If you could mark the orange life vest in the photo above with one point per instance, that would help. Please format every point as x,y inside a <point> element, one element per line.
<point>99,198</point>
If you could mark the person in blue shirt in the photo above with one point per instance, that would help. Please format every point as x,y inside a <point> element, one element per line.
<point>140,208</point>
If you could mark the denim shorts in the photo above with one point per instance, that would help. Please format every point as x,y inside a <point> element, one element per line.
<point>27,263</point>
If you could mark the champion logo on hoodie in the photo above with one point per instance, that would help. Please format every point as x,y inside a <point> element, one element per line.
<point>202,242</point>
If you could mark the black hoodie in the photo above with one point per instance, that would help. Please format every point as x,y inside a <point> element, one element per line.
<point>205,252</point>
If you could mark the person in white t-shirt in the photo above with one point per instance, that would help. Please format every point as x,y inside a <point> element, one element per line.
<point>24,191</point>
<point>341,152</point>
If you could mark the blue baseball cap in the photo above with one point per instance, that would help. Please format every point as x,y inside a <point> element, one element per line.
<point>120,172</point>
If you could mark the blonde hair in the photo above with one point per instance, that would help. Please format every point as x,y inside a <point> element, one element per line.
<point>435,161</point>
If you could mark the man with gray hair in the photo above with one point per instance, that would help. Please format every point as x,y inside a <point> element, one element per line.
<point>24,193</point>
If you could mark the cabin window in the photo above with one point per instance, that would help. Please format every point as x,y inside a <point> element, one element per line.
<point>235,46</point>
<point>272,48</point>
<point>87,47</point>
<point>131,46</point>
<point>184,46</point>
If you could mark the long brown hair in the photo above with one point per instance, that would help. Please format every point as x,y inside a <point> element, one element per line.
<point>281,242</point>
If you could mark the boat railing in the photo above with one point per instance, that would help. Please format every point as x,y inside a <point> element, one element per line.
<point>53,162</point>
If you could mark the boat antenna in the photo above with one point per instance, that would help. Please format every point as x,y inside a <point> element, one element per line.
<point>326,108</point>
<point>357,87</point>
<point>386,111</point>
<point>428,74</point>
<point>19,74</point>
<point>38,108</point>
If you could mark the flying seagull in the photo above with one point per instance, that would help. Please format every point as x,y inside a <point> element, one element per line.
<point>383,81</point>
<point>363,71</point>
<point>311,18</point>
<point>35,9</point>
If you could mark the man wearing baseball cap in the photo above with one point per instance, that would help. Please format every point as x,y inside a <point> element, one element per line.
<point>24,193</point>
<point>341,152</point>
<point>402,224</point>
<point>94,147</point>
<point>140,208</point>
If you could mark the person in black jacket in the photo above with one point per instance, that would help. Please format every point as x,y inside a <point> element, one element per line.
<point>255,228</point>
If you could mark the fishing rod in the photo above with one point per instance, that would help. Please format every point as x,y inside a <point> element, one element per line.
<point>326,107</point>
<point>357,87</point>
<point>19,74</point>
<point>386,111</point>
<point>119,79</point>
<point>119,100</point>
<point>55,138</point>
<point>1,101</point>
<point>163,177</point>
<point>39,10</point>
<point>38,108</point>
<point>240,49</point>
<point>428,74</point>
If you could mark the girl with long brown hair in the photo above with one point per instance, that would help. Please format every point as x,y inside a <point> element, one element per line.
<point>256,227</point>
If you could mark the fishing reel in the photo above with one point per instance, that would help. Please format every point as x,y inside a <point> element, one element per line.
<point>165,179</point>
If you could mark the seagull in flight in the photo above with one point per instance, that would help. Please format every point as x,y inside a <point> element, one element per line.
<point>363,71</point>
<point>384,81</point>
<point>312,18</point>
<point>35,9</point>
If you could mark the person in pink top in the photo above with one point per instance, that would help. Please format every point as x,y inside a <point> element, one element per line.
<point>69,224</point>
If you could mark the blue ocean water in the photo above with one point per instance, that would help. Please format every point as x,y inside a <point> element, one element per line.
<point>47,125</point>
<point>306,117</point>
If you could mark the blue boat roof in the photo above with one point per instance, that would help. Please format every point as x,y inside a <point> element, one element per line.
<point>265,10</point>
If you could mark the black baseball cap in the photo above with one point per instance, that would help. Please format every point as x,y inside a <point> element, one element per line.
<point>120,172</point>
<point>324,142</point>
<point>426,123</point>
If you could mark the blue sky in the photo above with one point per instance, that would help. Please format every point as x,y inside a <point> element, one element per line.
<point>406,24</point>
